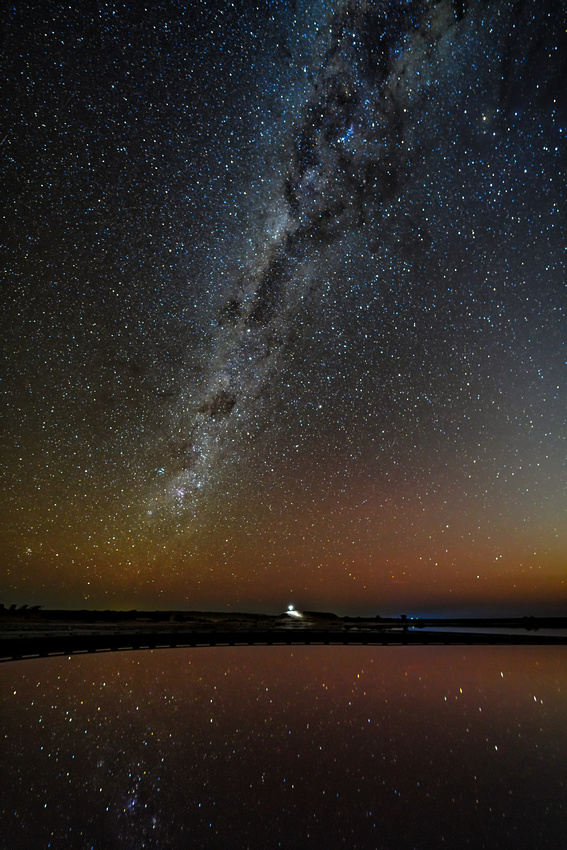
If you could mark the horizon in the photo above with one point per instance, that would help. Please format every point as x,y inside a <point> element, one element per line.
<point>466,614</point>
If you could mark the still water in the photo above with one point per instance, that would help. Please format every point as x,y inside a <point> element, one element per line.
<point>259,747</point>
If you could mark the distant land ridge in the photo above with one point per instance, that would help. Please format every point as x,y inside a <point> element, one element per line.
<point>31,632</point>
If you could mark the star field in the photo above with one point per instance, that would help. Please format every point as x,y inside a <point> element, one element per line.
<point>275,272</point>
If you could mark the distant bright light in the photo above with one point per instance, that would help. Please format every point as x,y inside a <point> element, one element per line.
<point>291,612</point>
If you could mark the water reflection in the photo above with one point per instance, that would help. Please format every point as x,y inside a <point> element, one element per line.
<point>262,747</point>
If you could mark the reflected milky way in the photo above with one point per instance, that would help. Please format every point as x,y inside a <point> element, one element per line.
<point>271,747</point>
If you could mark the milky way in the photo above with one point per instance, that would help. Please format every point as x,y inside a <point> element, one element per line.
<point>347,156</point>
<point>362,132</point>
<point>285,301</point>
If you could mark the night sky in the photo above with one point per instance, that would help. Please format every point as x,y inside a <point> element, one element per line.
<point>284,303</point>
<point>283,311</point>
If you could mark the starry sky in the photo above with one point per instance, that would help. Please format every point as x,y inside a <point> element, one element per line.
<point>283,291</point>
